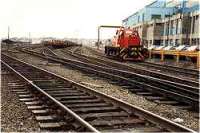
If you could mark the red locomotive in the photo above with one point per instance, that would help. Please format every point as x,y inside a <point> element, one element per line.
<point>126,46</point>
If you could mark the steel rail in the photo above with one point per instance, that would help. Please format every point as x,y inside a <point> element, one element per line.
<point>188,72</point>
<point>171,68</point>
<point>78,118</point>
<point>93,68</point>
<point>192,90</point>
<point>136,70</point>
<point>159,121</point>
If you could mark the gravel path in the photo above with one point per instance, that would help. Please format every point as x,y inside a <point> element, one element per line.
<point>167,111</point>
<point>14,114</point>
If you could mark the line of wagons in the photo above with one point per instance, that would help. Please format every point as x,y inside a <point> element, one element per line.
<point>59,43</point>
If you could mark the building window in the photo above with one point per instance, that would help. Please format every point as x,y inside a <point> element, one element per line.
<point>196,24</point>
<point>143,17</point>
<point>150,42</point>
<point>166,16</point>
<point>171,28</point>
<point>166,42</point>
<point>138,19</point>
<point>155,16</point>
<point>171,42</point>
<point>194,41</point>
<point>157,42</point>
<point>161,42</point>
<point>193,24</point>
<point>162,32</point>
<point>177,26</point>
<point>158,24</point>
<point>197,17</point>
<point>167,29</point>
<point>197,41</point>
<point>177,42</point>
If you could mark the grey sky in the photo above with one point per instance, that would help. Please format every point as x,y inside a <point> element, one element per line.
<point>64,18</point>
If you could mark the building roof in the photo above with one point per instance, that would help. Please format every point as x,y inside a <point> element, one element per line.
<point>173,5</point>
<point>157,3</point>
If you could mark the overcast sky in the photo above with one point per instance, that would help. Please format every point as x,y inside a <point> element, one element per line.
<point>64,18</point>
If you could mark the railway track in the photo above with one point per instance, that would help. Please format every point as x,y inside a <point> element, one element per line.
<point>185,71</point>
<point>192,73</point>
<point>67,105</point>
<point>121,66</point>
<point>162,92</point>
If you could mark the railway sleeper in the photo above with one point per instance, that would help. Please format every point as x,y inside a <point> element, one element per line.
<point>79,101</point>
<point>118,122</point>
<point>152,98</point>
<point>22,92</point>
<point>95,109</point>
<point>86,105</point>
<point>165,101</point>
<point>27,99</point>
<point>66,94</point>
<point>47,118</point>
<point>74,97</point>
<point>36,107</point>
<point>55,126</point>
<point>136,129</point>
<point>38,102</point>
<point>104,114</point>
<point>144,93</point>
<point>57,88</point>
<point>61,90</point>
<point>187,107</point>
<point>26,96</point>
<point>127,87</point>
<point>18,90</point>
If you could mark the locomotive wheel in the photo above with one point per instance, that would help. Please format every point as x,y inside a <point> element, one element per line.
<point>194,59</point>
<point>145,53</point>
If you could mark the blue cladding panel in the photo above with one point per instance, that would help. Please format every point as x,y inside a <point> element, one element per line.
<point>158,8</point>
<point>146,15</point>
<point>158,11</point>
<point>191,9</point>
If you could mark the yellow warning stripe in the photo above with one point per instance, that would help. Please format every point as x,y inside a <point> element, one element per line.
<point>122,50</point>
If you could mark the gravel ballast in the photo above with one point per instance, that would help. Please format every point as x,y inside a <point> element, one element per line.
<point>167,111</point>
<point>14,114</point>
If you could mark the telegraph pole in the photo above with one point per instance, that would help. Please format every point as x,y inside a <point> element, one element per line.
<point>29,38</point>
<point>8,32</point>
<point>8,38</point>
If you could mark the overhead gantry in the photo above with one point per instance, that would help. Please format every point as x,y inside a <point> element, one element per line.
<point>104,26</point>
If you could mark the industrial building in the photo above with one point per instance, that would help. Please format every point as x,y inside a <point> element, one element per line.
<point>167,22</point>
